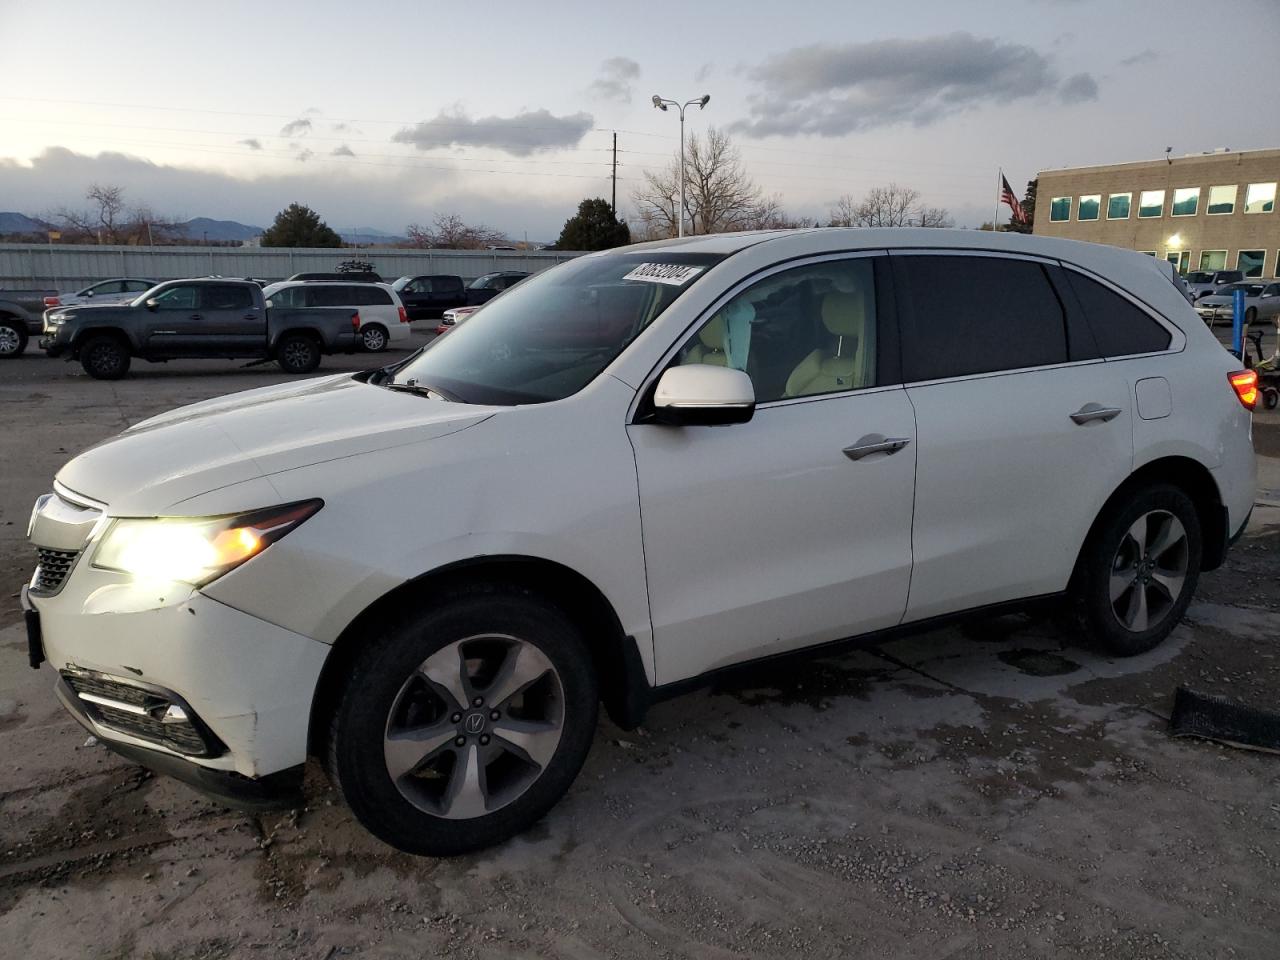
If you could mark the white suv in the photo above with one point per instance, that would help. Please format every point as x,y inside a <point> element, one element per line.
<point>663,461</point>
<point>383,319</point>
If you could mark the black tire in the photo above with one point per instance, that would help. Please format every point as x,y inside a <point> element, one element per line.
<point>104,357</point>
<point>1251,315</point>
<point>1270,397</point>
<point>297,353</point>
<point>1106,556</point>
<point>13,338</point>
<point>378,686</point>
<point>374,337</point>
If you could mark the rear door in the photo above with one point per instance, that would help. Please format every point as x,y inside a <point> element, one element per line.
<point>1022,430</point>
<point>231,320</point>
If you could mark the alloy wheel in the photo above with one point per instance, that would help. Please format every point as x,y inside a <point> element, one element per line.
<point>374,339</point>
<point>474,726</point>
<point>1149,570</point>
<point>9,341</point>
<point>296,354</point>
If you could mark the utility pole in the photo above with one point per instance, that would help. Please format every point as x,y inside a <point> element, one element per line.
<point>613,202</point>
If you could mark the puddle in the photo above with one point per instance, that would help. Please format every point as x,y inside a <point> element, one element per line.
<point>1038,663</point>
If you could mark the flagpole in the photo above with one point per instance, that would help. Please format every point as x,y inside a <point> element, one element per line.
<point>995,218</point>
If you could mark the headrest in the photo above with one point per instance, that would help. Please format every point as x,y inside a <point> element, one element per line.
<point>712,334</point>
<point>843,314</point>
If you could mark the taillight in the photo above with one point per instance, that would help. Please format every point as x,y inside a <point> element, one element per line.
<point>404,317</point>
<point>1245,384</point>
<point>355,321</point>
<point>52,302</point>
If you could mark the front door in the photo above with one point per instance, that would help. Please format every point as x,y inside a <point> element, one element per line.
<point>794,528</point>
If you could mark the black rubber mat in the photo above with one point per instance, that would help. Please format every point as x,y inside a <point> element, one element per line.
<point>1216,718</point>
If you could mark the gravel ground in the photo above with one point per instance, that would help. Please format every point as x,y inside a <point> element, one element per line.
<point>990,790</point>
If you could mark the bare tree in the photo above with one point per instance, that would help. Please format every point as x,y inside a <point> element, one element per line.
<point>719,196</point>
<point>450,232</point>
<point>891,206</point>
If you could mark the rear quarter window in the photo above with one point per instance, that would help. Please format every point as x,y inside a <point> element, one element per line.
<point>1119,327</point>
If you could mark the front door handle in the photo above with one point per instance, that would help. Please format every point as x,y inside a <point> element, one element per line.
<point>195,316</point>
<point>1095,411</point>
<point>875,443</point>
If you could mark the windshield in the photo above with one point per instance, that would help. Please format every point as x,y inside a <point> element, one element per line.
<point>552,334</point>
<point>1199,278</point>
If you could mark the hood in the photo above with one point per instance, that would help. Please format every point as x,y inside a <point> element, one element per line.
<point>158,463</point>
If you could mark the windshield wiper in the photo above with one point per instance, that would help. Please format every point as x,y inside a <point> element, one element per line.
<point>423,390</point>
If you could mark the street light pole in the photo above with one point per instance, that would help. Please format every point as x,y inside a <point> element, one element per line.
<point>661,103</point>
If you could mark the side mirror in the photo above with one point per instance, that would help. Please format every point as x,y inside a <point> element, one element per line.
<point>700,394</point>
<point>153,304</point>
<point>88,293</point>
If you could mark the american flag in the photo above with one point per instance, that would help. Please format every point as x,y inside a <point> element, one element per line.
<point>1006,196</point>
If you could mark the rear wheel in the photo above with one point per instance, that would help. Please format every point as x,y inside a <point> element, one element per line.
<point>104,358</point>
<point>13,338</point>
<point>374,337</point>
<point>462,725</point>
<point>1137,573</point>
<point>297,353</point>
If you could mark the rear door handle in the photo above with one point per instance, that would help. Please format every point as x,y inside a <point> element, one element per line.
<point>195,316</point>
<point>1095,411</point>
<point>875,443</point>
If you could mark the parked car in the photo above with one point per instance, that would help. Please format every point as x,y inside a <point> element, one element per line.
<point>450,318</point>
<point>483,289</point>
<point>119,290</point>
<point>1204,282</point>
<point>740,446</point>
<point>20,312</point>
<point>1261,301</point>
<point>198,318</point>
<point>427,297</point>
<point>383,319</point>
<point>357,276</point>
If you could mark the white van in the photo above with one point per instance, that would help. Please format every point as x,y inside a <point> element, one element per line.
<point>383,319</point>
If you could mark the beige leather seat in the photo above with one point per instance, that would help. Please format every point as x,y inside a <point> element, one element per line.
<point>845,366</point>
<point>710,345</point>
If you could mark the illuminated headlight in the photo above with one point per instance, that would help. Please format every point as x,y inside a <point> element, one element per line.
<point>195,550</point>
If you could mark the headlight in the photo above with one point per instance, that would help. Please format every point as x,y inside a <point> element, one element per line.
<point>195,550</point>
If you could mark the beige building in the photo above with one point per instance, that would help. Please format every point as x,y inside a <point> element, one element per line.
<point>1210,211</point>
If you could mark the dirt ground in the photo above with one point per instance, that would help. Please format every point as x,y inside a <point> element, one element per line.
<point>986,791</point>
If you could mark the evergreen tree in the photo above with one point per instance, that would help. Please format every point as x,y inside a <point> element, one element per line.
<point>299,226</point>
<point>593,227</point>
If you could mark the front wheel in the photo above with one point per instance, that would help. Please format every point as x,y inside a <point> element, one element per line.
<point>105,358</point>
<point>463,725</point>
<point>1135,576</point>
<point>13,338</point>
<point>297,353</point>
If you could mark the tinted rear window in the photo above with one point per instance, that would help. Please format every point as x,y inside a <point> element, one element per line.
<point>978,315</point>
<point>1120,328</point>
<point>218,297</point>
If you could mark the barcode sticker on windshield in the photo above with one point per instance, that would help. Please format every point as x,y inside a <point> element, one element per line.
<point>675,274</point>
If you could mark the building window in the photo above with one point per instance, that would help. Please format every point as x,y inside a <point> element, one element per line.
<point>1181,259</point>
<point>1249,262</point>
<point>1222,199</point>
<point>1185,201</point>
<point>1060,209</point>
<point>1213,259</point>
<point>1260,198</point>
<point>1088,207</point>
<point>1118,206</point>
<point>1151,204</point>
<point>1276,269</point>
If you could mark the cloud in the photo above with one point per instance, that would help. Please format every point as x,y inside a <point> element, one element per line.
<point>296,128</point>
<point>1078,88</point>
<point>253,143</point>
<point>1143,56</point>
<point>303,155</point>
<point>704,72</point>
<point>521,135</point>
<point>342,151</point>
<point>835,89</point>
<point>614,82</point>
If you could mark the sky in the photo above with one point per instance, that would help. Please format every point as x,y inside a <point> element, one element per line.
<point>392,112</point>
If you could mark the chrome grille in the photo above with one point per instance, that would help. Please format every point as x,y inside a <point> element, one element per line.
<point>52,567</point>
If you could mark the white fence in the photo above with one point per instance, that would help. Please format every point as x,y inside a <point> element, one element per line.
<point>71,266</point>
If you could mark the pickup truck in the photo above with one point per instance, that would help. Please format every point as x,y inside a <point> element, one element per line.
<point>20,312</point>
<point>198,318</point>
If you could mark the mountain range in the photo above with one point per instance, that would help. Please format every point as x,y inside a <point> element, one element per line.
<point>199,230</point>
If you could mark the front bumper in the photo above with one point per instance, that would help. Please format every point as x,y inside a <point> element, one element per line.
<point>250,683</point>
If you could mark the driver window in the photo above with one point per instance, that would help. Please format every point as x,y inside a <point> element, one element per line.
<point>803,332</point>
<point>177,298</point>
